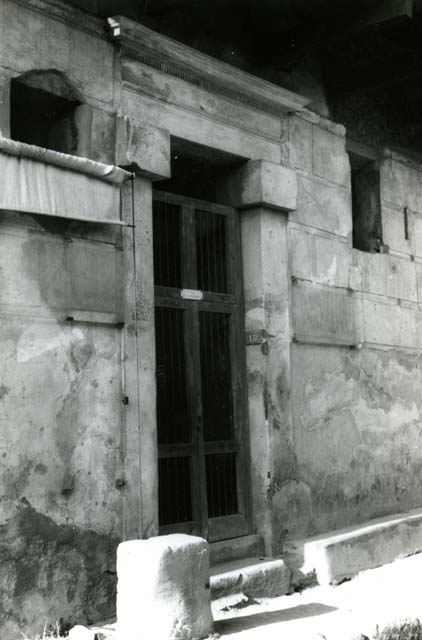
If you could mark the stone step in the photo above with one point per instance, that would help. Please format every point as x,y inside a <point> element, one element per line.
<point>251,546</point>
<point>254,577</point>
<point>341,554</point>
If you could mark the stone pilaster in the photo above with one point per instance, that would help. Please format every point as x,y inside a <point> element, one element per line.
<point>147,154</point>
<point>265,193</point>
<point>4,105</point>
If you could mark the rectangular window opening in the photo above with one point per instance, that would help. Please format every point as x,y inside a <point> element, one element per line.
<point>366,201</point>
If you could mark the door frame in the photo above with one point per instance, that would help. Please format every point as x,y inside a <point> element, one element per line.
<point>229,526</point>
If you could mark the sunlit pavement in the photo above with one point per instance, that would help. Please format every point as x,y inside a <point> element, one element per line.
<point>375,597</point>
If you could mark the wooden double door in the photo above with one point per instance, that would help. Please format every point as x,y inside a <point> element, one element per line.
<point>202,440</point>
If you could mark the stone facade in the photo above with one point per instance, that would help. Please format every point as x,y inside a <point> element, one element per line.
<point>333,383</point>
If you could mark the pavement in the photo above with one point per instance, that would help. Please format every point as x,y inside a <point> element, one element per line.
<point>377,597</point>
<point>374,598</point>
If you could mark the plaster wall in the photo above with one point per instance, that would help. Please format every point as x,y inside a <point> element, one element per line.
<point>355,355</point>
<point>60,422</point>
<point>63,480</point>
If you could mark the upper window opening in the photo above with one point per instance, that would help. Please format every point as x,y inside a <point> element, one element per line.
<point>366,202</point>
<point>43,107</point>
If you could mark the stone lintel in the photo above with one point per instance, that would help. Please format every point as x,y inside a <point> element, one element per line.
<point>143,148</point>
<point>261,183</point>
<point>174,58</point>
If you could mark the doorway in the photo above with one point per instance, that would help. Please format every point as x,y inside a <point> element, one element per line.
<point>201,390</point>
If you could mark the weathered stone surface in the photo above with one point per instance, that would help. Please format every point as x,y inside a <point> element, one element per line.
<point>140,508</point>
<point>401,278</point>
<point>194,127</point>
<point>417,225</point>
<point>418,266</point>
<point>373,267</point>
<point>261,183</point>
<point>322,314</point>
<point>300,144</point>
<point>332,261</point>
<point>143,148</point>
<point>339,555</point>
<point>323,206</point>
<point>4,104</point>
<point>389,323</point>
<point>61,384</point>
<point>401,184</point>
<point>302,253</point>
<point>103,136</point>
<point>36,48</point>
<point>163,585</point>
<point>184,95</point>
<point>355,270</point>
<point>265,273</point>
<point>235,548</point>
<point>330,159</point>
<point>356,421</point>
<point>52,571</point>
<point>252,576</point>
<point>393,227</point>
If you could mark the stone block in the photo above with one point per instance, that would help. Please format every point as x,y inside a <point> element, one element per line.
<point>103,130</point>
<point>417,229</point>
<point>99,292</point>
<point>144,148</point>
<point>323,206</point>
<point>332,261</point>
<point>79,632</point>
<point>236,548</point>
<point>393,226</point>
<point>401,184</point>
<point>340,555</point>
<point>190,98</point>
<point>300,144</point>
<point>330,159</point>
<point>389,324</point>
<point>401,278</point>
<point>28,279</point>
<point>418,266</point>
<point>198,129</point>
<point>163,588</point>
<point>326,315</point>
<point>393,176</point>
<point>373,272</point>
<point>355,271</point>
<point>301,251</point>
<point>255,577</point>
<point>83,121</point>
<point>261,183</point>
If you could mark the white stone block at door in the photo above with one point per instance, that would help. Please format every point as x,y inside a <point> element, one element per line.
<point>163,589</point>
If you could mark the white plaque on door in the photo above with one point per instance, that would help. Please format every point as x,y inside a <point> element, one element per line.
<point>192,294</point>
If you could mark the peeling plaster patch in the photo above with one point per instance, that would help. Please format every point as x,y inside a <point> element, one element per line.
<point>292,505</point>
<point>3,391</point>
<point>17,479</point>
<point>51,571</point>
<point>40,468</point>
<point>35,343</point>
